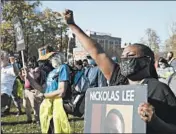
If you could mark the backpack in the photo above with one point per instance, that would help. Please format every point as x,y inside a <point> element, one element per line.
<point>76,105</point>
<point>82,83</point>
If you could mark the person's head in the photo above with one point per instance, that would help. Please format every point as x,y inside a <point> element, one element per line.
<point>162,63</point>
<point>91,61</point>
<point>32,62</point>
<point>114,122</point>
<point>170,55</point>
<point>137,62</point>
<point>85,63</point>
<point>11,59</point>
<point>56,59</point>
<point>36,72</point>
<point>78,64</point>
<point>4,58</point>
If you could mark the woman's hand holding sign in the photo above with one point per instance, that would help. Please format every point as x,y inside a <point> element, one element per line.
<point>146,112</point>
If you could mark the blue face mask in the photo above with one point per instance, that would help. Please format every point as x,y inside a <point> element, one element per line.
<point>91,62</point>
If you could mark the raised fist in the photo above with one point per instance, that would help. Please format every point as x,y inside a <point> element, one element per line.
<point>68,16</point>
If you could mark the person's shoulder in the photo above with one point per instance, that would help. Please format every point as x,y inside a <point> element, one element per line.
<point>64,66</point>
<point>157,83</point>
<point>160,87</point>
<point>117,78</point>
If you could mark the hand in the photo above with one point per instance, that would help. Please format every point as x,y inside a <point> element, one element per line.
<point>25,72</point>
<point>146,111</point>
<point>40,95</point>
<point>68,16</point>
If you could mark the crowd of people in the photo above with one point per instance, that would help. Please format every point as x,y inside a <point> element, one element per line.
<point>53,88</point>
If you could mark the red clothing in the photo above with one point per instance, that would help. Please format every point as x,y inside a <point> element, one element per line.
<point>27,84</point>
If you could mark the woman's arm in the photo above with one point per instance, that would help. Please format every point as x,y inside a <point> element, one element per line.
<point>161,126</point>
<point>105,63</point>
<point>60,92</point>
<point>34,84</point>
<point>147,114</point>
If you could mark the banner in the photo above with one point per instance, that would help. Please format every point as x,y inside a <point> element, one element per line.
<point>114,109</point>
<point>19,35</point>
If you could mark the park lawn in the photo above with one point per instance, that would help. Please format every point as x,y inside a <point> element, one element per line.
<point>14,124</point>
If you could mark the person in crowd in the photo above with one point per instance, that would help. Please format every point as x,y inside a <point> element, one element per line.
<point>52,114</point>
<point>30,101</point>
<point>85,63</point>
<point>164,70</point>
<point>8,75</point>
<point>18,63</point>
<point>94,74</point>
<point>88,77</point>
<point>171,60</point>
<point>16,99</point>
<point>78,65</point>
<point>136,67</point>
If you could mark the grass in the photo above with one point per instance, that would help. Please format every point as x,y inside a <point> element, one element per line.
<point>14,124</point>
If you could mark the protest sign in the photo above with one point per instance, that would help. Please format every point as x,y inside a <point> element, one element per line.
<point>19,35</point>
<point>114,109</point>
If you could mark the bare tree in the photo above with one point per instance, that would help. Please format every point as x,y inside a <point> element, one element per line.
<point>151,39</point>
<point>171,42</point>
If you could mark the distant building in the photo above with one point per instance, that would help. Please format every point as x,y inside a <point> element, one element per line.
<point>111,45</point>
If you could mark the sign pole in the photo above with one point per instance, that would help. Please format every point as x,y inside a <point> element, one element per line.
<point>22,56</point>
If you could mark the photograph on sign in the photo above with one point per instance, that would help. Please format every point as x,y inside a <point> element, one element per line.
<point>114,109</point>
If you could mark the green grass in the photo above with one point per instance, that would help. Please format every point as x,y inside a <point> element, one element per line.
<point>14,124</point>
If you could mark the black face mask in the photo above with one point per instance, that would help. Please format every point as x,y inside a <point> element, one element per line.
<point>130,66</point>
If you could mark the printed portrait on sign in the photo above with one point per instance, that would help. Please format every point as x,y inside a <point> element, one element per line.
<point>114,122</point>
<point>118,119</point>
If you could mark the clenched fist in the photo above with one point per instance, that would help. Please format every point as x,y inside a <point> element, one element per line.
<point>68,16</point>
<point>146,112</point>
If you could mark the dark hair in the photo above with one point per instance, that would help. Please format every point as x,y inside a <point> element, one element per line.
<point>50,48</point>
<point>32,62</point>
<point>148,52</point>
<point>172,54</point>
<point>85,60</point>
<point>161,59</point>
<point>79,62</point>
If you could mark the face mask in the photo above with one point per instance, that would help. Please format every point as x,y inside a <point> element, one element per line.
<point>130,66</point>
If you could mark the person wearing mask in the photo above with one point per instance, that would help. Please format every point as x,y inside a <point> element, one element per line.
<point>85,63</point>
<point>8,76</point>
<point>30,101</point>
<point>136,67</point>
<point>164,70</point>
<point>171,60</point>
<point>52,114</point>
